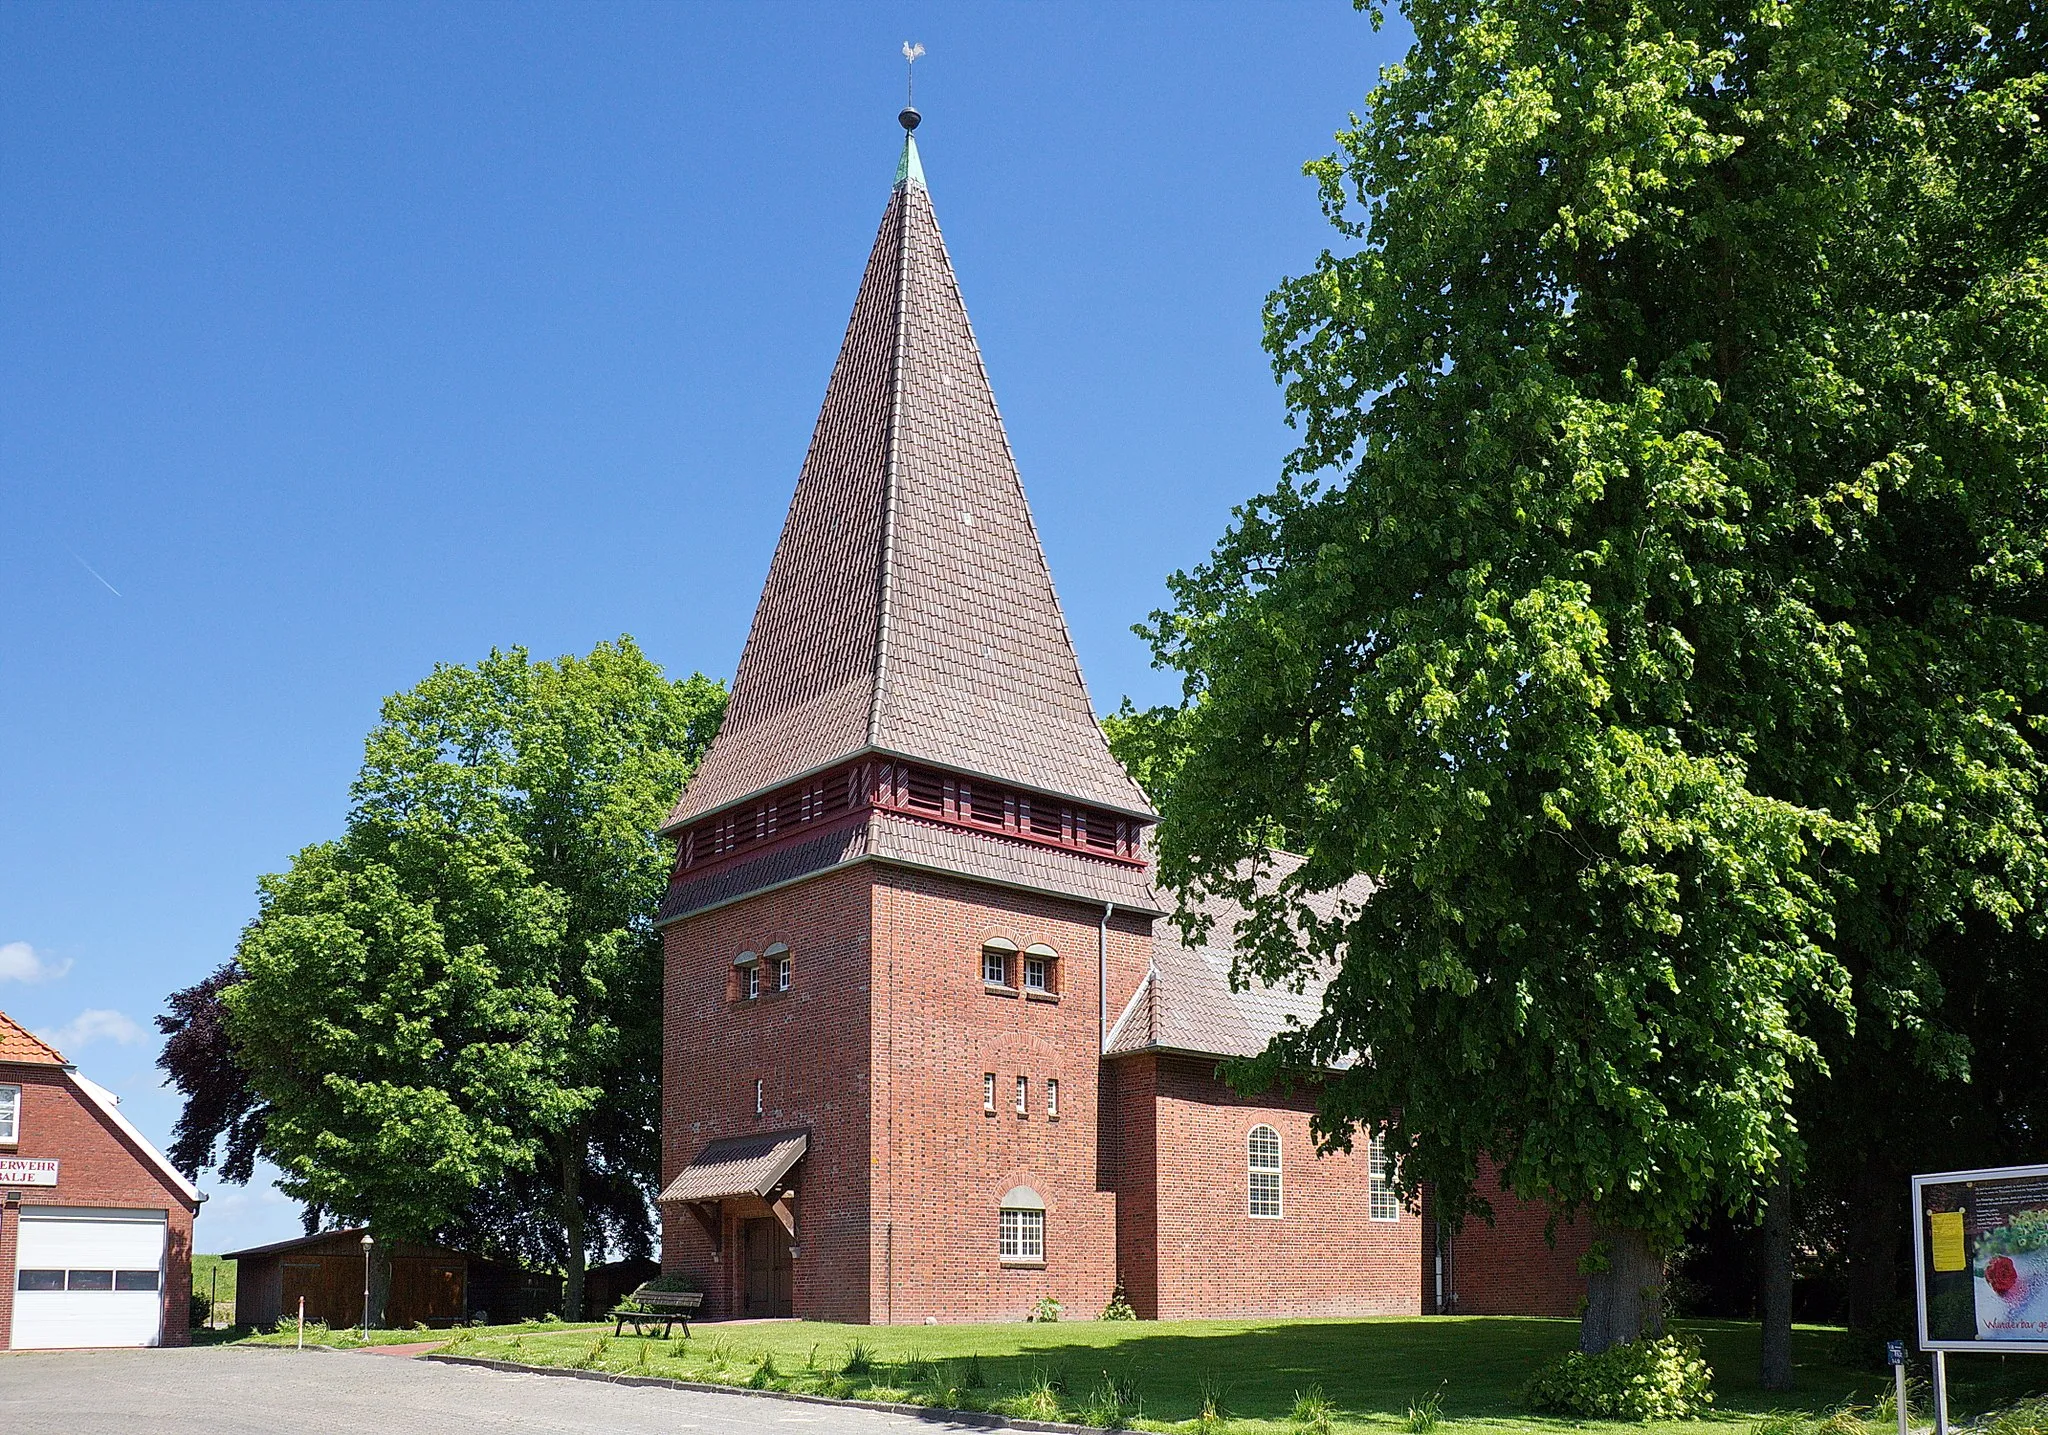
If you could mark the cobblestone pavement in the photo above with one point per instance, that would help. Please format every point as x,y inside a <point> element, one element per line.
<point>226,1391</point>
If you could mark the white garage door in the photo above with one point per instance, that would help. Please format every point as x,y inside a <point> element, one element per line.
<point>88,1277</point>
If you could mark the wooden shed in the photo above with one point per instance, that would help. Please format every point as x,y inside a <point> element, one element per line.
<point>410,1284</point>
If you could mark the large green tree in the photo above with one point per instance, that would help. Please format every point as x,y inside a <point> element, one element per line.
<point>1654,603</point>
<point>449,1017</point>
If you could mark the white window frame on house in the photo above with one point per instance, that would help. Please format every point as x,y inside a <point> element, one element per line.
<point>10,1115</point>
<point>1262,1173</point>
<point>1020,1228</point>
<point>1023,1096</point>
<point>1052,1098</point>
<point>1039,966</point>
<point>1382,1201</point>
<point>747,971</point>
<point>779,954</point>
<point>988,1092</point>
<point>996,955</point>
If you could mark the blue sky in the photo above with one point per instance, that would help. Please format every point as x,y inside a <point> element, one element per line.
<point>339,340</point>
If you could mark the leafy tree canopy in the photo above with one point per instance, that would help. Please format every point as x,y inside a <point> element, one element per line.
<point>450,1015</point>
<point>1654,602</point>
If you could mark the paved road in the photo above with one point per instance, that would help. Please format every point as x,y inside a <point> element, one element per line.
<point>224,1391</point>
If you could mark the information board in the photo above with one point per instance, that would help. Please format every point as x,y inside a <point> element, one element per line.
<point>1980,1252</point>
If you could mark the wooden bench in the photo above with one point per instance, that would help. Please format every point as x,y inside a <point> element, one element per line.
<point>663,1308</point>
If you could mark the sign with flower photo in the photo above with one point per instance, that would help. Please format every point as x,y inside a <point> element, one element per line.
<point>1980,1245</point>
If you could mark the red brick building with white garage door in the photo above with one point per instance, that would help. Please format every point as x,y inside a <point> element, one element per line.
<point>95,1225</point>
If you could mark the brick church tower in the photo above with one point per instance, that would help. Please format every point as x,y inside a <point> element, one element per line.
<point>924,1055</point>
<point>909,870</point>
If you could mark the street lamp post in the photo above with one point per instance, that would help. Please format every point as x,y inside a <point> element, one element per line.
<point>367,1243</point>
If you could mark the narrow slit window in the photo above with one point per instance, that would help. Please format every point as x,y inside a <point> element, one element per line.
<point>10,1115</point>
<point>1023,1096</point>
<point>760,1096</point>
<point>988,1091</point>
<point>1052,1098</point>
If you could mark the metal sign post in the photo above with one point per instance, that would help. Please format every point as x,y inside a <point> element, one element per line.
<point>1895,1356</point>
<point>1940,1392</point>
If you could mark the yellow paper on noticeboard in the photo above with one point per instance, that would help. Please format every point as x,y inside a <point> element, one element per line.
<point>1947,1229</point>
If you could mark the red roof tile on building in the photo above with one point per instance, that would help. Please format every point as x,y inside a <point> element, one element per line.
<point>1187,1003</point>
<point>18,1045</point>
<point>909,609</point>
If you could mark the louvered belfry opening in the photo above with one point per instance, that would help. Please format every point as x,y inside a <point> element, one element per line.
<point>908,658</point>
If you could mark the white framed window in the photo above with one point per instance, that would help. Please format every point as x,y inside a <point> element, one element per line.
<point>1023,1096</point>
<point>1052,1097</point>
<point>782,972</point>
<point>1038,968</point>
<point>995,961</point>
<point>1262,1162</point>
<point>988,1092</point>
<point>10,1115</point>
<point>1384,1201</point>
<point>750,982</point>
<point>1020,1238</point>
<point>760,1096</point>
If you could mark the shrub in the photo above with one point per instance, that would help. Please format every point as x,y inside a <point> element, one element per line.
<point>1046,1311</point>
<point>673,1283</point>
<point>860,1359</point>
<point>1426,1414</point>
<point>1312,1411</point>
<point>2028,1417</point>
<point>1119,1307</point>
<point>1662,1379</point>
<point>202,1310</point>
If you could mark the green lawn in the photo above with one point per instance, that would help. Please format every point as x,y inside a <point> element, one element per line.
<point>1370,1370</point>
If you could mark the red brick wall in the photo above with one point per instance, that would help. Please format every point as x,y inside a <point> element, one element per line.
<point>809,1048</point>
<point>1508,1267</point>
<point>945,1164</point>
<point>99,1166</point>
<point>1323,1256</point>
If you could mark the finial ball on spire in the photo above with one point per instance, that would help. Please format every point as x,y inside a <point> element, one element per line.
<point>909,119</point>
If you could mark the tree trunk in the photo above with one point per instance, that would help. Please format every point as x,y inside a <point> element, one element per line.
<point>572,1149</point>
<point>1777,1312</point>
<point>1625,1300</point>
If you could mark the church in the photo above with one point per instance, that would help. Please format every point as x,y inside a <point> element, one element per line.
<point>932,1049</point>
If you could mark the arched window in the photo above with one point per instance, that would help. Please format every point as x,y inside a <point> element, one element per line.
<point>1385,1203</point>
<point>1040,964</point>
<point>1020,1239</point>
<point>1262,1157</point>
<point>996,955</point>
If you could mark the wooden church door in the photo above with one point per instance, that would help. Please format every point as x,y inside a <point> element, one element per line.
<point>768,1291</point>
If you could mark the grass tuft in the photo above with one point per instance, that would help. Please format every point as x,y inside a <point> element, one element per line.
<point>1313,1414</point>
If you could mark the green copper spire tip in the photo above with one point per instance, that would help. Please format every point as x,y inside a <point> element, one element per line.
<point>909,168</point>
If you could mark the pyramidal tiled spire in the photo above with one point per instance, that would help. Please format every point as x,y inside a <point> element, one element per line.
<point>909,609</point>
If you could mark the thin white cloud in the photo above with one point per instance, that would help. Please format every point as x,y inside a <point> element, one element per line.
<point>19,962</point>
<point>94,1024</point>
